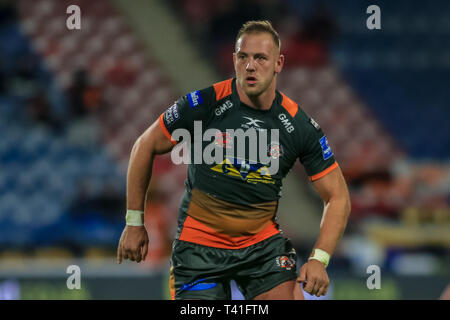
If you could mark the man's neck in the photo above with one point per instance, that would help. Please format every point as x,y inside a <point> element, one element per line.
<point>262,102</point>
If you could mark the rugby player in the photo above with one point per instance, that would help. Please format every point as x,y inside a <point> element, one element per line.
<point>227,225</point>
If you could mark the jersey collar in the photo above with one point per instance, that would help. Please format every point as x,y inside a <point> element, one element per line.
<point>236,100</point>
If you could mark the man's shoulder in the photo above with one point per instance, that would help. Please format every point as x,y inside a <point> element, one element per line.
<point>299,116</point>
<point>211,94</point>
<point>289,105</point>
<point>293,108</point>
<point>223,89</point>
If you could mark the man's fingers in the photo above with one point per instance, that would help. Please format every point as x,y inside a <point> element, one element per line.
<point>125,255</point>
<point>132,256</point>
<point>138,254</point>
<point>119,254</point>
<point>144,250</point>
<point>324,291</point>
<point>315,288</point>
<point>138,257</point>
<point>133,246</point>
<point>323,287</point>
<point>309,286</point>
<point>319,292</point>
<point>302,276</point>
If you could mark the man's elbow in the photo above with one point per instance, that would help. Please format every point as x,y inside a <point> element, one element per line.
<point>345,199</point>
<point>344,210</point>
<point>347,206</point>
<point>342,200</point>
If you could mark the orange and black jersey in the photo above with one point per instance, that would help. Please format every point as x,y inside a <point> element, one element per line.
<point>232,203</point>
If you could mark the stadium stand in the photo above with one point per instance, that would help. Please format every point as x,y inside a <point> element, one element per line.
<point>80,166</point>
<point>408,63</point>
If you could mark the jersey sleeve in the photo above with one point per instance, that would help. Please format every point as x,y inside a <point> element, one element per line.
<point>315,155</point>
<point>195,106</point>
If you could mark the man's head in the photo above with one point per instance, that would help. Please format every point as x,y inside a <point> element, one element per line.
<point>257,58</point>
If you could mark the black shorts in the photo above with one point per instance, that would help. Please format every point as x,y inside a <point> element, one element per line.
<point>201,272</point>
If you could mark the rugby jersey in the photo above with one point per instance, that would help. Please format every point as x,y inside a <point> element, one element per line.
<point>232,202</point>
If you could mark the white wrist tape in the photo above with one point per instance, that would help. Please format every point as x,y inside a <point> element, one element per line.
<point>321,256</point>
<point>135,218</point>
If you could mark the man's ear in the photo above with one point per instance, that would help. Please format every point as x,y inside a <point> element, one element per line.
<point>280,63</point>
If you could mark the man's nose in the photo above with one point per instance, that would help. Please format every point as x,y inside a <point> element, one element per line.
<point>250,65</point>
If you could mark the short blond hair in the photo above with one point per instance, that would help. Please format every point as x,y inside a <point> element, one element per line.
<point>259,26</point>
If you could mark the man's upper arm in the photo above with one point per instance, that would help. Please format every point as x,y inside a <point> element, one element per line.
<point>332,185</point>
<point>157,139</point>
<point>195,106</point>
<point>180,115</point>
<point>314,153</point>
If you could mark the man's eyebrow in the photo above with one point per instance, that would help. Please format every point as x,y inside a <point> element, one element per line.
<point>261,54</point>
<point>257,54</point>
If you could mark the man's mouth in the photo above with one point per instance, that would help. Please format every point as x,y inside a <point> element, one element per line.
<point>250,80</point>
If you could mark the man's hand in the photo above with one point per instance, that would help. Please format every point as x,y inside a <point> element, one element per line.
<point>314,278</point>
<point>133,244</point>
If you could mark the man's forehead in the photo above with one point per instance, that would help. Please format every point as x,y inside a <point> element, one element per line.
<point>260,41</point>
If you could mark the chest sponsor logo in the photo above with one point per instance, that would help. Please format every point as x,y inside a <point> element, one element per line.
<point>224,107</point>
<point>251,173</point>
<point>194,98</point>
<point>326,149</point>
<point>286,122</point>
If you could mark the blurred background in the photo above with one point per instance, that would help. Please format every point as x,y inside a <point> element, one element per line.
<point>72,103</point>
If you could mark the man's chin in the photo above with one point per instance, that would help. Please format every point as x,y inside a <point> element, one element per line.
<point>252,91</point>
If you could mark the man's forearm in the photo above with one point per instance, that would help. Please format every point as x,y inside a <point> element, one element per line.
<point>139,175</point>
<point>332,227</point>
